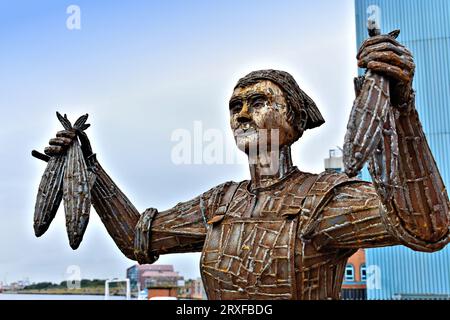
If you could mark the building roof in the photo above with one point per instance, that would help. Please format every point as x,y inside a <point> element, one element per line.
<point>159,267</point>
<point>153,267</point>
<point>156,274</point>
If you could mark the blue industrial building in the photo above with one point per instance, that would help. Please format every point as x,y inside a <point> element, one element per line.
<point>398,272</point>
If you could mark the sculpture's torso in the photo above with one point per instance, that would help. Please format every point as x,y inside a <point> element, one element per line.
<point>255,249</point>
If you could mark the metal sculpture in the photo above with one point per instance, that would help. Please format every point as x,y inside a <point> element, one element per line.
<point>287,234</point>
<point>66,177</point>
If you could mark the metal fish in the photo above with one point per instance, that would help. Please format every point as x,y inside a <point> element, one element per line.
<point>65,177</point>
<point>369,112</point>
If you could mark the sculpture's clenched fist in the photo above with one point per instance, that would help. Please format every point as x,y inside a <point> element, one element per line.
<point>59,145</point>
<point>384,55</point>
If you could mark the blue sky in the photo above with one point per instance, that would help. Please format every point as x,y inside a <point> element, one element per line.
<point>143,69</point>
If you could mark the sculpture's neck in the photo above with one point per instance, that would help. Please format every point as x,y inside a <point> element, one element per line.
<point>269,168</point>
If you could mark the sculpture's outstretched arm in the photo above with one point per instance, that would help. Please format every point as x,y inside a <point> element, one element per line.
<point>180,229</point>
<point>116,212</point>
<point>142,237</point>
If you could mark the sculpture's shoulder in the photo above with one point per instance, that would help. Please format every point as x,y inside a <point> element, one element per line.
<point>326,186</point>
<point>221,188</point>
<point>218,197</point>
<point>327,182</point>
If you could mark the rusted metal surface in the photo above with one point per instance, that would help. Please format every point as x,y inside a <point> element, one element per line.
<point>370,109</point>
<point>76,194</point>
<point>66,177</point>
<point>49,194</point>
<point>366,124</point>
<point>288,234</point>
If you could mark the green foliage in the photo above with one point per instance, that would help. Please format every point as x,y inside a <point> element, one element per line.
<point>41,286</point>
<point>85,283</point>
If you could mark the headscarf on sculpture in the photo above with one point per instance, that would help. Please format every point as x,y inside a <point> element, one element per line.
<point>296,98</point>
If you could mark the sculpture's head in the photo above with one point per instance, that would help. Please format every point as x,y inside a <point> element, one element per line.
<point>267,102</point>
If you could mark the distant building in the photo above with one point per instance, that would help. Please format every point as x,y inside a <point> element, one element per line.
<point>193,289</point>
<point>198,291</point>
<point>15,286</point>
<point>133,274</point>
<point>161,275</point>
<point>398,272</point>
<point>159,280</point>
<point>355,277</point>
<point>334,162</point>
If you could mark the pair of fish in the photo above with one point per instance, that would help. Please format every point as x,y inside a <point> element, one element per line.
<point>65,178</point>
<point>369,113</point>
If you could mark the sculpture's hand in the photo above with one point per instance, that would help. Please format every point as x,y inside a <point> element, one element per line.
<point>386,83</point>
<point>61,143</point>
<point>384,55</point>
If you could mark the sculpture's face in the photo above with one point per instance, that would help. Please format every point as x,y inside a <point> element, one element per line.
<point>259,113</point>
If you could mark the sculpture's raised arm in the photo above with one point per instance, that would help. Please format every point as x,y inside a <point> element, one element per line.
<point>405,174</point>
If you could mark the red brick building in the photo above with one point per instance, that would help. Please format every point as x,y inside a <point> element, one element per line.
<point>354,285</point>
<point>193,289</point>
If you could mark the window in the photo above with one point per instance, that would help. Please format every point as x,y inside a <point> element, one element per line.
<point>363,272</point>
<point>349,273</point>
